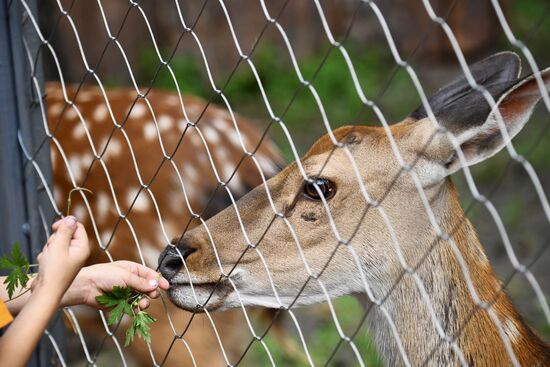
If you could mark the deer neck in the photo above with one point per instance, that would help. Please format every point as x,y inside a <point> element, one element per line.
<point>476,335</point>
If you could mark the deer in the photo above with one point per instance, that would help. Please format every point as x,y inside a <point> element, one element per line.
<point>90,118</point>
<point>293,217</point>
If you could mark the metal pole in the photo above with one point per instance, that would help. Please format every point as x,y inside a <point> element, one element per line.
<point>25,210</point>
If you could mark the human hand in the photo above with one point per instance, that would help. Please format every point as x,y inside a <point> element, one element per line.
<point>97,279</point>
<point>62,257</point>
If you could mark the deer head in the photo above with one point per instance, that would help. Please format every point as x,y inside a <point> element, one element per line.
<point>325,220</point>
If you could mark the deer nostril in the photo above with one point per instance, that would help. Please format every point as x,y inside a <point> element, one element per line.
<point>170,265</point>
<point>171,259</point>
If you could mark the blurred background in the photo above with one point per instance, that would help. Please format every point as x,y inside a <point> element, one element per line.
<point>419,40</point>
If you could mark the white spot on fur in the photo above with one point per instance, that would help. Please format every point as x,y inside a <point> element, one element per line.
<point>57,194</point>
<point>222,125</point>
<point>211,135</point>
<point>227,171</point>
<point>70,113</point>
<point>55,109</point>
<point>190,173</point>
<point>222,154</point>
<point>511,329</point>
<point>114,148</point>
<point>142,202</point>
<point>100,113</point>
<point>172,101</point>
<point>236,185</point>
<point>234,138</point>
<point>267,165</point>
<point>79,211</point>
<point>165,122</point>
<point>181,125</point>
<point>102,207</point>
<point>150,130</point>
<point>226,127</point>
<point>79,131</point>
<point>85,96</point>
<point>176,202</point>
<point>193,109</point>
<point>138,111</point>
<point>201,158</point>
<point>195,139</point>
<point>76,166</point>
<point>220,113</point>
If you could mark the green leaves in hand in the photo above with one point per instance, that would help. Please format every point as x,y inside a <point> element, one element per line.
<point>124,300</point>
<point>18,265</point>
<point>140,326</point>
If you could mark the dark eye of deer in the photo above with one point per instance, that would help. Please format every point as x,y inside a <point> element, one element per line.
<point>326,187</point>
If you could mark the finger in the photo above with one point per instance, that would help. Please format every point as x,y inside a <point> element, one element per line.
<point>65,231</point>
<point>80,233</point>
<point>163,283</point>
<point>144,303</point>
<point>153,294</point>
<point>56,224</point>
<point>140,284</point>
<point>138,269</point>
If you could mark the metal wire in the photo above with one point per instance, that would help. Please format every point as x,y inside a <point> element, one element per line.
<point>277,120</point>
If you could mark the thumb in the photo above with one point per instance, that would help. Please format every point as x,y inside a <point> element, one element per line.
<point>65,230</point>
<point>140,284</point>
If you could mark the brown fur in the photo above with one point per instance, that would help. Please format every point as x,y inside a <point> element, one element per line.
<point>167,192</point>
<point>444,280</point>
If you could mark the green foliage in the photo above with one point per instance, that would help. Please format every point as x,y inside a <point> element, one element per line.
<point>529,21</point>
<point>18,266</point>
<point>189,73</point>
<point>140,326</point>
<point>123,301</point>
<point>290,99</point>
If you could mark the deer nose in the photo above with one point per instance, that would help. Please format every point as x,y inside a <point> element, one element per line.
<point>170,260</point>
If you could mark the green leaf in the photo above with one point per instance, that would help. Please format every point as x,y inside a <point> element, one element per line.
<point>141,327</point>
<point>130,334</point>
<point>116,313</point>
<point>106,300</point>
<point>18,265</point>
<point>123,300</point>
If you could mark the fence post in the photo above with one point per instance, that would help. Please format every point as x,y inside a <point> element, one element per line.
<point>25,210</point>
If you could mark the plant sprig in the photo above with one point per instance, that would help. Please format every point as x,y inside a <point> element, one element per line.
<point>125,301</point>
<point>18,266</point>
<point>122,300</point>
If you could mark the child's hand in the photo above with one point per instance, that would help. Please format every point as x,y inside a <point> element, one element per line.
<point>62,257</point>
<point>99,278</point>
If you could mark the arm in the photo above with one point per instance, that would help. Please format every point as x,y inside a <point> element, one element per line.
<point>93,280</point>
<point>59,262</point>
<point>96,279</point>
<point>28,326</point>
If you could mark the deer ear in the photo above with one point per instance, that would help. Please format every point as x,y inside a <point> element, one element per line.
<point>515,105</point>
<point>466,113</point>
<point>458,106</point>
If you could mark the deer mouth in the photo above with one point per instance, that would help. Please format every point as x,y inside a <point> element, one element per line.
<point>199,296</point>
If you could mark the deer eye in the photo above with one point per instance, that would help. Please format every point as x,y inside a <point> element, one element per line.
<point>326,187</point>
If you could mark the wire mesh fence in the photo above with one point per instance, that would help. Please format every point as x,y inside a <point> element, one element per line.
<point>358,214</point>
